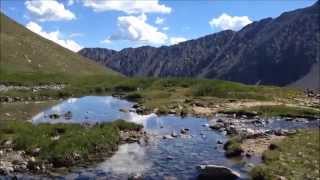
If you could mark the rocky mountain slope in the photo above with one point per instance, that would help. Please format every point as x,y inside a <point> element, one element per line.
<point>278,51</point>
<point>28,58</point>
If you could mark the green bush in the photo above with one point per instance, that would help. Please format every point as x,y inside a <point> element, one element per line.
<point>233,147</point>
<point>133,96</point>
<point>98,90</point>
<point>260,173</point>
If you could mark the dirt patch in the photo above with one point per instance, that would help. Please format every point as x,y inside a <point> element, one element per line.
<point>258,145</point>
<point>209,111</point>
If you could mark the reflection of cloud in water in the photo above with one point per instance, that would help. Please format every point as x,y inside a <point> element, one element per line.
<point>139,119</point>
<point>129,159</point>
<point>72,100</point>
<point>56,109</point>
<point>37,117</point>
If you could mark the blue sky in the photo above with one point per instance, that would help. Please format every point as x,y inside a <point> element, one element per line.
<point>131,23</point>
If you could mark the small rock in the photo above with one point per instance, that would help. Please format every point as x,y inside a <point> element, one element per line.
<point>170,158</point>
<point>281,178</point>
<point>248,154</point>
<point>35,151</point>
<point>174,134</point>
<point>273,146</point>
<point>8,143</point>
<point>281,132</point>
<point>124,110</point>
<point>205,125</point>
<point>54,116</point>
<point>136,177</point>
<point>217,126</point>
<point>55,138</point>
<point>220,121</point>
<point>219,142</point>
<point>172,111</point>
<point>183,131</point>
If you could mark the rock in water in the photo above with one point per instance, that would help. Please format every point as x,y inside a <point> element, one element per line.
<point>216,172</point>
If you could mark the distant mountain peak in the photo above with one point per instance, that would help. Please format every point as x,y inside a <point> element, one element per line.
<point>277,51</point>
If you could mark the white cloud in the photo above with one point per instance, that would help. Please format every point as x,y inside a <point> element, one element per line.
<point>176,40</point>
<point>159,20</point>
<point>54,36</point>
<point>127,6</point>
<point>49,10</point>
<point>165,28</point>
<point>76,35</point>
<point>106,41</point>
<point>225,21</point>
<point>135,28</point>
<point>70,2</point>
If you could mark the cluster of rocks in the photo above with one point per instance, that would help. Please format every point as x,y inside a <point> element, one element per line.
<point>140,109</point>
<point>66,116</point>
<point>12,161</point>
<point>184,133</point>
<point>133,136</point>
<point>312,93</point>
<point>9,99</point>
<point>5,88</point>
<point>248,128</point>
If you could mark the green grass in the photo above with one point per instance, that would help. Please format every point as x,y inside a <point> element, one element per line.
<point>28,59</point>
<point>233,147</point>
<point>297,157</point>
<point>74,138</point>
<point>279,110</point>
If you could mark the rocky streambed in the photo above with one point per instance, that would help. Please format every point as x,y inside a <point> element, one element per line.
<point>176,148</point>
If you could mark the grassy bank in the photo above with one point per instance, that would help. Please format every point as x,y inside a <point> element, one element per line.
<point>277,111</point>
<point>233,147</point>
<point>63,144</point>
<point>296,157</point>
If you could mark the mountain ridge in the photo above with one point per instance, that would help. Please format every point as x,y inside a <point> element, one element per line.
<point>273,51</point>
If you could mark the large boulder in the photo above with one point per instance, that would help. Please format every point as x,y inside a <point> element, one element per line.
<point>216,172</point>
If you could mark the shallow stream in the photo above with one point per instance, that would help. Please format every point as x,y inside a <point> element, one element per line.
<point>160,158</point>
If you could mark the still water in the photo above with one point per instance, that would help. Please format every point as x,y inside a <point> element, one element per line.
<point>160,158</point>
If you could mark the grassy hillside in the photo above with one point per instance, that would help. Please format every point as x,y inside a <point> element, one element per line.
<point>27,58</point>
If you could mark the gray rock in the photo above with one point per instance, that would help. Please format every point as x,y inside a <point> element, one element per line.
<point>174,134</point>
<point>217,126</point>
<point>183,131</point>
<point>216,172</point>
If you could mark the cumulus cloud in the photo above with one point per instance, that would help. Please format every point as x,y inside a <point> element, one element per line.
<point>176,40</point>
<point>225,21</point>
<point>135,28</point>
<point>49,10</point>
<point>165,28</point>
<point>127,6</point>
<point>70,2</point>
<point>159,20</point>
<point>54,36</point>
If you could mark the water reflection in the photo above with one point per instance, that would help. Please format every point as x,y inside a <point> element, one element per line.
<point>89,109</point>
<point>129,159</point>
<point>175,157</point>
